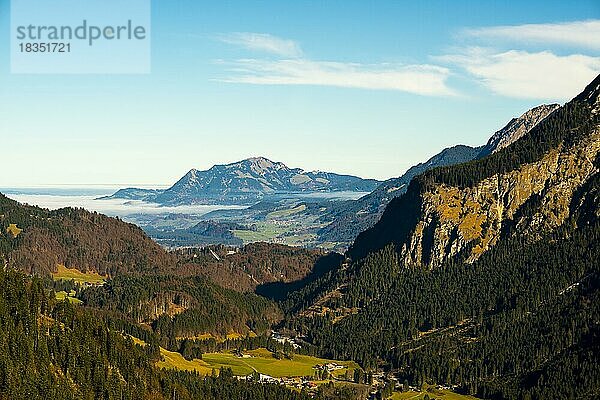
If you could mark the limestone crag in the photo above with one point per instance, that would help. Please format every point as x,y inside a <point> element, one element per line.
<point>455,220</point>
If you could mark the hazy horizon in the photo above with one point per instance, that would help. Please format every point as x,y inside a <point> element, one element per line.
<point>367,89</point>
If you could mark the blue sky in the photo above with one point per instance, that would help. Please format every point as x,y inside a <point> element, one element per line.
<point>366,88</point>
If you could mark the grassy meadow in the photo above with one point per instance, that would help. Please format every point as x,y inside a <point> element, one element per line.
<point>261,360</point>
<point>68,274</point>
<point>69,296</point>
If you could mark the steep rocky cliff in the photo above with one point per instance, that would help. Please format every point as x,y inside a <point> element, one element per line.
<point>481,269</point>
<point>526,188</point>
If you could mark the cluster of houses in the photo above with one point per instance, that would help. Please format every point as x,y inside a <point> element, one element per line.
<point>298,383</point>
<point>330,367</point>
<point>379,379</point>
<point>241,354</point>
<point>87,284</point>
<point>281,338</point>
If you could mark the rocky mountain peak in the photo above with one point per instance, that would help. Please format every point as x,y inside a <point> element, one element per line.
<point>591,95</point>
<point>517,128</point>
<point>190,178</point>
<point>256,165</point>
<point>260,161</point>
<point>261,165</point>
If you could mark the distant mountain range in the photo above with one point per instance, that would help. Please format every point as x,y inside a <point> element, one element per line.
<point>256,179</point>
<point>246,182</point>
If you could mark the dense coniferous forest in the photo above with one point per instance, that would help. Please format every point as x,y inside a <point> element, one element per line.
<point>147,283</point>
<point>161,298</point>
<point>514,316</point>
<point>183,307</point>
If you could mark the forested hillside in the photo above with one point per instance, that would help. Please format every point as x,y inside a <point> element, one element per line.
<point>78,239</point>
<point>516,315</point>
<point>36,240</point>
<point>54,350</point>
<point>176,293</point>
<point>245,268</point>
<point>178,307</point>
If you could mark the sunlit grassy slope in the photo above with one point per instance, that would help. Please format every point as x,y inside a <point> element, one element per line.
<point>14,230</point>
<point>69,296</point>
<point>68,274</point>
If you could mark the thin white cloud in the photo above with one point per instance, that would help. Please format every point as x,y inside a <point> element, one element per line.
<point>521,74</point>
<point>581,34</point>
<point>426,80</point>
<point>263,42</point>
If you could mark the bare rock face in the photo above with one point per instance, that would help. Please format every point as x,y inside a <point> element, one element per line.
<point>471,219</point>
<point>517,128</point>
